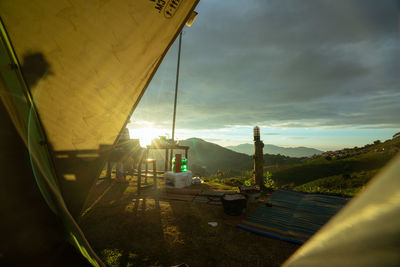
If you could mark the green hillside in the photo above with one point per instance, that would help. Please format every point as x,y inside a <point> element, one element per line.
<point>336,172</point>
<point>281,161</point>
<point>341,163</point>
<point>347,184</point>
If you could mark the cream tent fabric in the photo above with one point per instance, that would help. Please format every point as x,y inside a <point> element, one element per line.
<point>365,233</point>
<point>87,64</point>
<point>97,58</point>
<point>72,72</point>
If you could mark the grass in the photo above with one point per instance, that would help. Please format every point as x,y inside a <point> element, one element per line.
<point>128,229</point>
<point>321,168</point>
<point>215,184</point>
<point>368,158</point>
<point>343,185</point>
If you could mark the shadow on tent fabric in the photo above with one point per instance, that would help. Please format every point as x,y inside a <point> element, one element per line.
<point>30,233</point>
<point>35,67</point>
<point>78,171</point>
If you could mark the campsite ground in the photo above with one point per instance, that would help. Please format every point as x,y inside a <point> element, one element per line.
<point>127,229</point>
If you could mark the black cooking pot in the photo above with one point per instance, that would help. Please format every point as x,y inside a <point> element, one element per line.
<point>234,204</point>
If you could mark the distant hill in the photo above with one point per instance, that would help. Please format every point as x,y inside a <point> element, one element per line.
<point>342,172</point>
<point>275,150</point>
<point>213,157</point>
<point>207,158</point>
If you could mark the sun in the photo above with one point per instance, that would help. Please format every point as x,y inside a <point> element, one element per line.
<point>145,135</point>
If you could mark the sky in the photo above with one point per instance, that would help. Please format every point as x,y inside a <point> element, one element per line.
<point>316,73</point>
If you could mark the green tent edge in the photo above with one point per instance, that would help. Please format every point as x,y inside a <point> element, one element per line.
<point>46,180</point>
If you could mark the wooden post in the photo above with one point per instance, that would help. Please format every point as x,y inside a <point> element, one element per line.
<point>155,175</point>
<point>147,166</point>
<point>139,181</point>
<point>139,177</point>
<point>258,158</point>
<point>166,160</point>
<point>170,160</point>
<point>146,172</point>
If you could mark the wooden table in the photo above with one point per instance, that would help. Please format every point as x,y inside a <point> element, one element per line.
<point>167,148</point>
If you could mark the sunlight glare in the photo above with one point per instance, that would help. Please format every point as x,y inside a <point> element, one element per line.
<point>146,135</point>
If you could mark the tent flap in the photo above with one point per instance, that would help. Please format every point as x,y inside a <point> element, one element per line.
<point>72,73</point>
<point>87,63</point>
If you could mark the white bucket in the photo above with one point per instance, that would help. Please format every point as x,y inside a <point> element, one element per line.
<point>177,179</point>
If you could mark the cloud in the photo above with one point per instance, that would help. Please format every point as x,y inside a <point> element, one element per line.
<point>295,138</point>
<point>271,134</point>
<point>295,63</point>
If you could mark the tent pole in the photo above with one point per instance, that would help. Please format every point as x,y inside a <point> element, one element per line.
<point>176,86</point>
<point>176,95</point>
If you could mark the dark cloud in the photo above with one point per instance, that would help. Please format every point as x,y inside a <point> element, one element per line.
<point>297,63</point>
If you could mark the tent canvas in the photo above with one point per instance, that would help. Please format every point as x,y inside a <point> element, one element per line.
<point>72,74</point>
<point>87,64</point>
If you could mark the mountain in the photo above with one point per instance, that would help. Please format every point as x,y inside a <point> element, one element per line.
<point>243,148</point>
<point>207,158</point>
<point>213,157</point>
<point>342,172</point>
<point>275,150</point>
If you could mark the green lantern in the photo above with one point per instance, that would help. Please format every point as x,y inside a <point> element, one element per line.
<point>183,165</point>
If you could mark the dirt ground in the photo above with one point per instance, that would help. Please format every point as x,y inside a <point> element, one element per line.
<point>130,229</point>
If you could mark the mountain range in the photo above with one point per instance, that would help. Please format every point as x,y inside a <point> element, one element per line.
<point>343,172</point>
<point>275,150</point>
<point>206,158</point>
